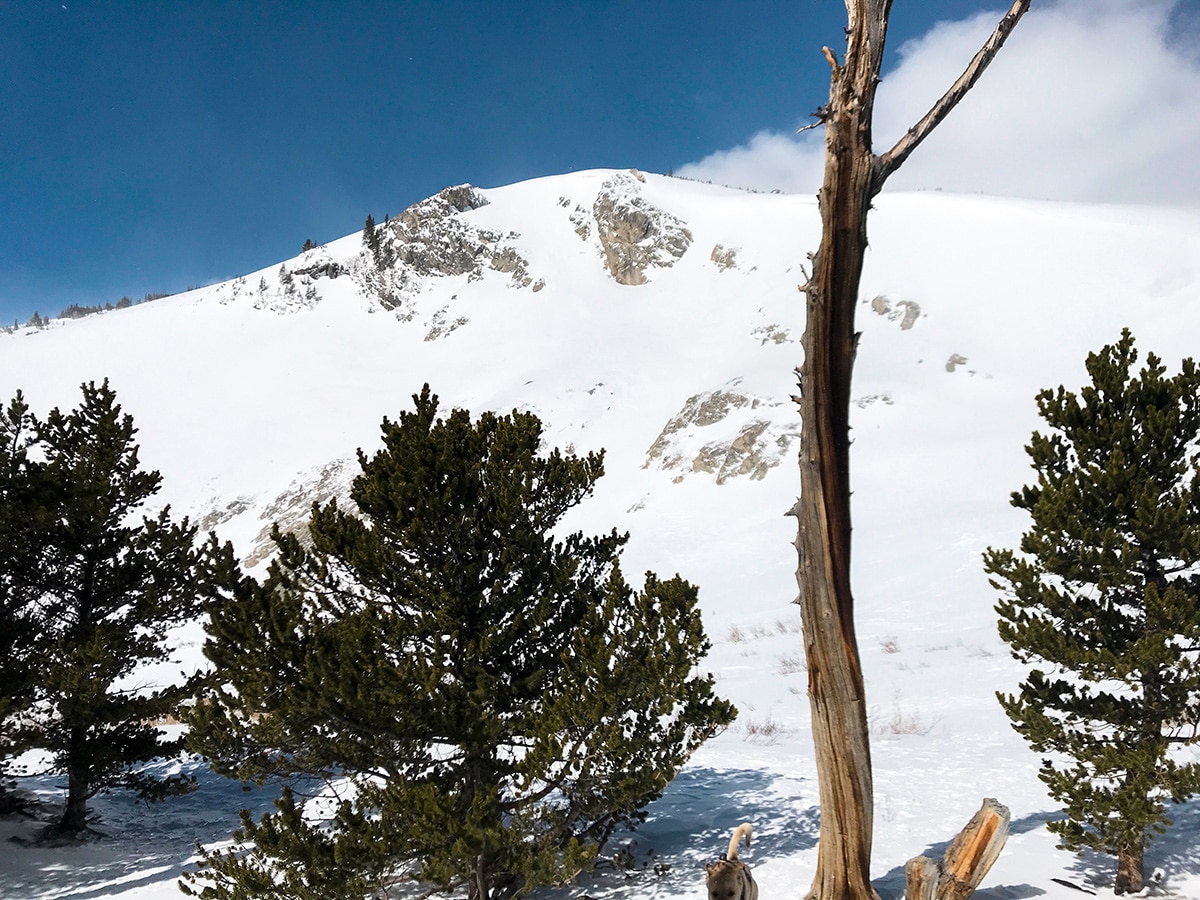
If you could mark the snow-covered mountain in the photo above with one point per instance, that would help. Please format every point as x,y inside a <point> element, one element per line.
<point>660,319</point>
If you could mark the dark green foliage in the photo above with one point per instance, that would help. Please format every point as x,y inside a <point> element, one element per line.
<point>1104,599</point>
<point>102,588</point>
<point>308,245</point>
<point>490,701</point>
<point>22,513</point>
<point>370,237</point>
<point>287,280</point>
<point>78,311</point>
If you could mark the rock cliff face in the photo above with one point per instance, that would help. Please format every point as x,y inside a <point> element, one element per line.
<point>430,239</point>
<point>726,433</point>
<point>634,234</point>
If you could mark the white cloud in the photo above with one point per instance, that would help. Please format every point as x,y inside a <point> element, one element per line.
<point>1095,100</point>
<point>770,161</point>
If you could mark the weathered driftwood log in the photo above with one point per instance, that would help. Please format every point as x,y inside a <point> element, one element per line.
<point>966,860</point>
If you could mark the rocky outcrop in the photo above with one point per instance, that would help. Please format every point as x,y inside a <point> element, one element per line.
<point>724,257</point>
<point>749,453</point>
<point>726,433</point>
<point>291,509</point>
<point>906,312</point>
<point>430,239</point>
<point>582,222</point>
<point>218,512</point>
<point>580,218</point>
<point>323,269</point>
<point>441,324</point>
<point>771,334</point>
<point>508,260</point>
<point>635,235</point>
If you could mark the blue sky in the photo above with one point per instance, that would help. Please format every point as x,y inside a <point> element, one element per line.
<point>151,146</point>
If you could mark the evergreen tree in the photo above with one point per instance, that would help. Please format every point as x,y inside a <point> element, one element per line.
<point>21,514</point>
<point>481,701</point>
<point>108,587</point>
<point>1105,600</point>
<point>287,280</point>
<point>371,236</point>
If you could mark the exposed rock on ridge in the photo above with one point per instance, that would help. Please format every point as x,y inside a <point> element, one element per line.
<point>634,234</point>
<point>430,239</point>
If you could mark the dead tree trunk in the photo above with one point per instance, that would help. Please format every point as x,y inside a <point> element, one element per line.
<point>853,176</point>
<point>965,861</point>
<point>835,684</point>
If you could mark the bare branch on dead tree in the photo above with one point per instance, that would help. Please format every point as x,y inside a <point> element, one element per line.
<point>889,162</point>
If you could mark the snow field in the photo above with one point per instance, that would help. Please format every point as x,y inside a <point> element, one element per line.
<point>236,403</point>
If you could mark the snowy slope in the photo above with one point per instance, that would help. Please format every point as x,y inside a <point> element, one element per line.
<point>249,399</point>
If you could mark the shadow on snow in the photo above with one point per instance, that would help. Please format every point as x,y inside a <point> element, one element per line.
<point>138,843</point>
<point>1174,853</point>
<point>892,884</point>
<point>142,845</point>
<point>691,824</point>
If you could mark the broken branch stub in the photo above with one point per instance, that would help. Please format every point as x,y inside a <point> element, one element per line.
<point>966,861</point>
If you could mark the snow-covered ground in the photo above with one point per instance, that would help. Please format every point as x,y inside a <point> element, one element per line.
<point>249,400</point>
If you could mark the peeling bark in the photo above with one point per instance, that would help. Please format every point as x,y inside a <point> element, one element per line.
<point>966,861</point>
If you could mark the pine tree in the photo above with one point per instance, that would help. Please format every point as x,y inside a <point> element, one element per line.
<point>483,701</point>
<point>1105,600</point>
<point>108,587</point>
<point>22,512</point>
<point>370,237</point>
<point>287,280</point>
